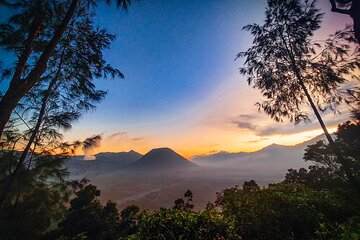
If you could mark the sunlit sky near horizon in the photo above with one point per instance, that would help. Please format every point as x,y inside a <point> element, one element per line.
<point>182,88</point>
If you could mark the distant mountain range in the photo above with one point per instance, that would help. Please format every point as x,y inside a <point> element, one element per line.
<point>269,160</point>
<point>160,176</point>
<point>159,159</point>
<point>105,162</point>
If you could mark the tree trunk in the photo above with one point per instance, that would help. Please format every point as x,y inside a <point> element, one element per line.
<point>17,91</point>
<point>38,122</point>
<point>343,161</point>
<point>355,14</point>
<point>32,137</point>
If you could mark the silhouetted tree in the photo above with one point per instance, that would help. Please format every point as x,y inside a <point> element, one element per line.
<point>290,69</point>
<point>251,186</point>
<point>328,173</point>
<point>69,76</point>
<point>33,32</point>
<point>181,204</point>
<point>129,219</point>
<point>88,217</point>
<point>351,8</point>
<point>76,62</point>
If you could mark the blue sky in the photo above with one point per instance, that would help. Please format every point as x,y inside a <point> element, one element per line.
<point>172,54</point>
<point>182,88</point>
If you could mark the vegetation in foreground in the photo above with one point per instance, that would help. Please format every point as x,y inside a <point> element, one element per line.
<point>59,53</point>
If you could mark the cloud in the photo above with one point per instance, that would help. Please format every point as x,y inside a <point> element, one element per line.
<point>264,126</point>
<point>117,134</point>
<point>213,151</point>
<point>244,125</point>
<point>258,140</point>
<point>245,121</point>
<point>137,138</point>
<point>291,128</point>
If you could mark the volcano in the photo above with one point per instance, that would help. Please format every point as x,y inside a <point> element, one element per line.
<point>163,159</point>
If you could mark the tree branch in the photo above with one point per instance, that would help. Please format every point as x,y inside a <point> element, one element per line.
<point>334,8</point>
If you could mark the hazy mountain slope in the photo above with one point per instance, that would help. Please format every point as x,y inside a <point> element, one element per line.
<point>273,159</point>
<point>162,159</point>
<point>104,163</point>
<point>131,182</point>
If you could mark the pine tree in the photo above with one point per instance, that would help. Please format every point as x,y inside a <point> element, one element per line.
<point>290,70</point>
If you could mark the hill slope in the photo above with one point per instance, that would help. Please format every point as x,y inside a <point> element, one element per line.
<point>162,159</point>
<point>269,160</point>
<point>104,163</point>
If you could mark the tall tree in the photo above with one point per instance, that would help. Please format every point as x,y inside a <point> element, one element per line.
<point>76,62</point>
<point>291,70</point>
<point>351,8</point>
<point>36,28</point>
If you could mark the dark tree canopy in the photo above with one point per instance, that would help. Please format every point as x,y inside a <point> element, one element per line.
<point>351,8</point>
<point>327,171</point>
<point>291,70</point>
<point>33,33</point>
<point>283,60</point>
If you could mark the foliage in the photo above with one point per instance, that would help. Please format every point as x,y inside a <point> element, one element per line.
<point>129,220</point>
<point>286,66</point>
<point>88,217</point>
<point>277,212</point>
<point>350,230</point>
<point>186,204</point>
<point>42,193</point>
<point>180,224</point>
<point>32,34</point>
<point>328,172</point>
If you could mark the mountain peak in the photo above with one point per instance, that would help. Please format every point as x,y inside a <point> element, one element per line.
<point>163,159</point>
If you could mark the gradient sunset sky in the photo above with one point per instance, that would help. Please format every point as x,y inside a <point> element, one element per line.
<point>182,88</point>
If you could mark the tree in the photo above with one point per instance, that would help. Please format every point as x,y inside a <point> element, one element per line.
<point>291,70</point>
<point>35,30</point>
<point>351,8</point>
<point>347,139</point>
<point>181,224</point>
<point>129,220</point>
<point>276,212</point>
<point>88,217</point>
<point>77,60</point>
<point>42,193</point>
<point>181,204</point>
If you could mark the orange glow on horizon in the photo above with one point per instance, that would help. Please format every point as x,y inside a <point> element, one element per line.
<point>236,144</point>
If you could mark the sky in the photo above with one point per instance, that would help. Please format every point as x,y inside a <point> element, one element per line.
<point>182,88</point>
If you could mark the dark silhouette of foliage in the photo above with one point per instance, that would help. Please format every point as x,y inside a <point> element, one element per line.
<point>290,70</point>
<point>283,211</point>
<point>45,110</point>
<point>129,220</point>
<point>186,204</point>
<point>328,172</point>
<point>33,33</point>
<point>88,217</point>
<point>351,8</point>
<point>31,203</point>
<point>251,186</point>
